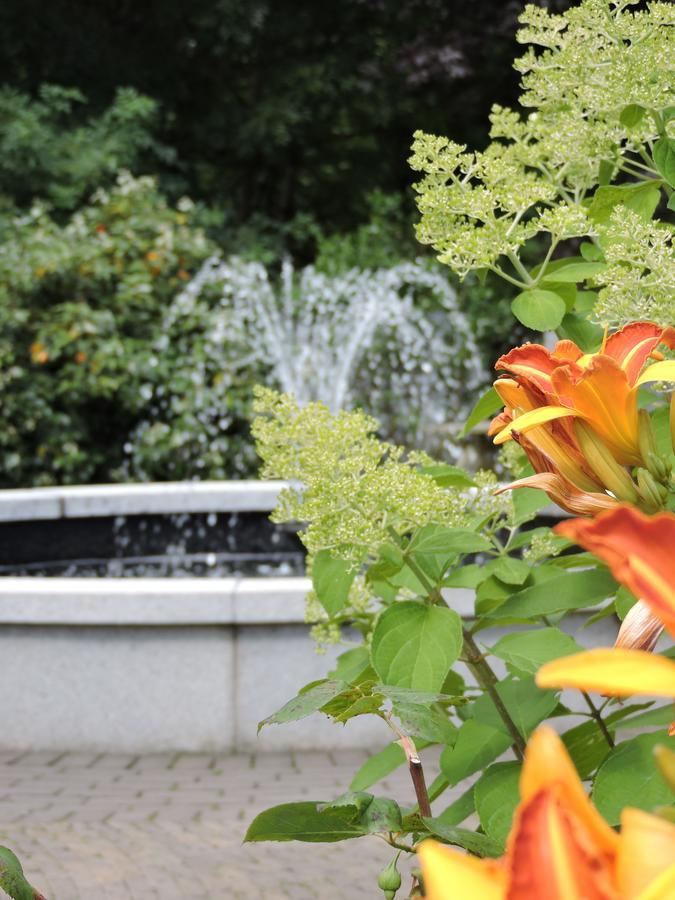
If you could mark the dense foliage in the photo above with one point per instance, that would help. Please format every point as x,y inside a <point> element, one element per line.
<point>390,534</point>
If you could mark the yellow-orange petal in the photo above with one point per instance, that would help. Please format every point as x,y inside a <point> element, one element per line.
<point>633,344</point>
<point>564,493</point>
<point>551,855</point>
<point>547,764</point>
<point>639,551</point>
<point>646,851</point>
<point>662,888</point>
<point>658,371</point>
<point>613,671</point>
<point>533,418</point>
<point>449,874</point>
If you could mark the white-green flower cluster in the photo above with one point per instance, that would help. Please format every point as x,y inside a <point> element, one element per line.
<point>349,489</point>
<point>639,280</point>
<point>587,66</point>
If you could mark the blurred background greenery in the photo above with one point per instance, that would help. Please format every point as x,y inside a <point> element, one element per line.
<point>287,124</point>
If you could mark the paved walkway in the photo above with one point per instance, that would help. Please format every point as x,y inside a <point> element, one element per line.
<point>115,827</point>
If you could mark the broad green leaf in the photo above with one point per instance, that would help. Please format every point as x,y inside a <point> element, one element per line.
<point>509,570</point>
<point>304,822</point>
<point>351,665</point>
<point>573,590</point>
<point>574,272</point>
<point>440,540</point>
<point>625,601</point>
<point>12,878</point>
<point>590,252</point>
<point>664,158</point>
<point>408,695</point>
<point>629,777</point>
<point>642,198</point>
<point>496,797</point>
<point>526,504</point>
<point>460,809</point>
<point>469,576</point>
<point>487,405</point>
<point>415,645</point>
<point>476,746</point>
<point>383,814</point>
<point>660,715</point>
<point>527,651</point>
<point>474,842</point>
<point>539,310</point>
<point>422,722</point>
<point>585,334</point>
<point>661,425</point>
<point>448,476</point>
<point>332,578</point>
<point>587,746</point>
<point>309,700</point>
<point>358,800</point>
<point>526,704</point>
<point>351,703</point>
<point>632,115</point>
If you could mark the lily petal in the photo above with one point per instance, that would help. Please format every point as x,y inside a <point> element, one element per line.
<point>548,766</point>
<point>449,874</point>
<point>646,851</point>
<point>640,630</point>
<point>632,345</point>
<point>616,672</point>
<point>533,418</point>
<point>552,857</point>
<point>564,493</point>
<point>659,371</point>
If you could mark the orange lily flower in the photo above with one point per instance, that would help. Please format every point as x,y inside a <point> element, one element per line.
<point>547,391</point>
<point>638,549</point>
<point>560,847</point>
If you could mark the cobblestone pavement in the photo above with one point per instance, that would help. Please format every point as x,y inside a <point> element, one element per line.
<point>114,827</point>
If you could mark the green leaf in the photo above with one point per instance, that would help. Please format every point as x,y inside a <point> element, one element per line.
<point>664,158</point>
<point>509,570</point>
<point>660,715</point>
<point>539,310</point>
<point>585,334</point>
<point>574,272</point>
<point>12,879</point>
<point>632,115</point>
<point>381,764</point>
<point>629,777</point>
<point>440,540</point>
<point>529,650</point>
<point>590,252</point>
<point>383,814</point>
<point>526,704</point>
<point>422,722</point>
<point>469,576</point>
<point>476,746</point>
<point>487,405</point>
<point>332,579</point>
<point>661,425</point>
<point>448,476</point>
<point>414,645</point>
<point>496,796</point>
<point>474,842</point>
<point>310,700</point>
<point>526,504</point>
<point>304,821</point>
<point>460,809</point>
<point>587,746</point>
<point>625,601</point>
<point>573,590</point>
<point>642,198</point>
<point>351,665</point>
<point>358,800</point>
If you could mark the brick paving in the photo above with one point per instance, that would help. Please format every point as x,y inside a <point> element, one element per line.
<point>170,826</point>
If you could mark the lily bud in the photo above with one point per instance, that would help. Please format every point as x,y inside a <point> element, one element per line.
<point>659,468</point>
<point>648,449</point>
<point>389,879</point>
<point>640,630</point>
<point>653,493</point>
<point>615,478</point>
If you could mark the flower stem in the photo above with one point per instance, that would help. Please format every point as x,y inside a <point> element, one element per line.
<point>595,713</point>
<point>414,766</point>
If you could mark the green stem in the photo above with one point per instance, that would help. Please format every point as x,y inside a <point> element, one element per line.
<point>595,713</point>
<point>487,679</point>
